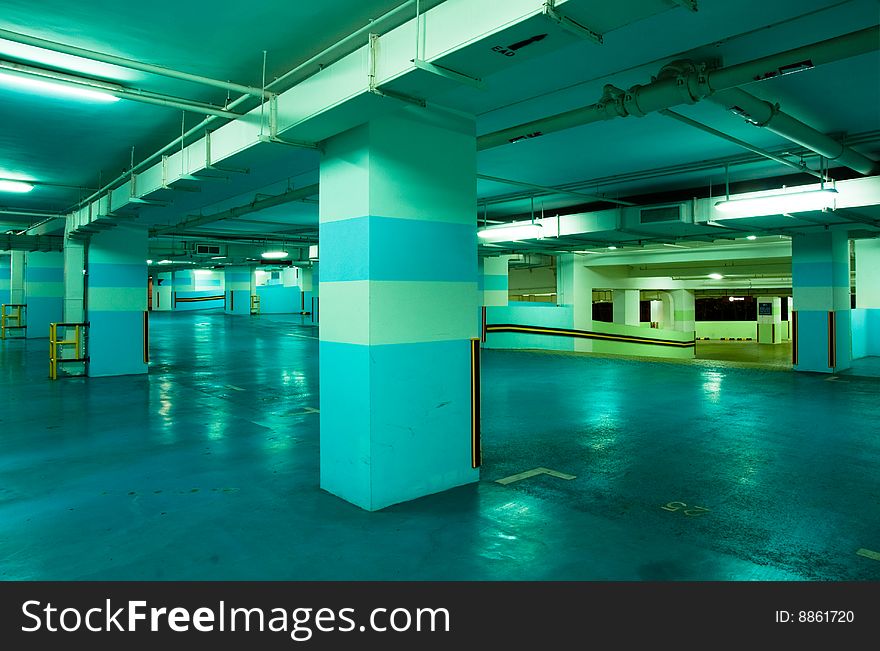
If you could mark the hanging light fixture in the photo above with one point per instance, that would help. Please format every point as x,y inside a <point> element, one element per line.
<point>511,232</point>
<point>776,204</point>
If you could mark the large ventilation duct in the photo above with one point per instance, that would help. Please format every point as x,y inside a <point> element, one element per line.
<point>764,114</point>
<point>686,82</point>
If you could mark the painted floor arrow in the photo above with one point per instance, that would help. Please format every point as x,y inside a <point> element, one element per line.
<point>534,473</point>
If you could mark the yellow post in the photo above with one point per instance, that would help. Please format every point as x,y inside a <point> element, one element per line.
<point>53,351</point>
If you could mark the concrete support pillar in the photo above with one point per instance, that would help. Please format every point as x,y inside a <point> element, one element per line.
<point>117,302</point>
<point>821,328</point>
<point>493,280</point>
<point>574,287</point>
<point>313,302</point>
<point>17,263</point>
<point>867,274</point>
<point>44,291</point>
<point>398,296</point>
<point>667,312</point>
<point>74,306</point>
<point>163,291</point>
<point>238,290</point>
<point>626,306</point>
<point>5,270</point>
<point>684,310</point>
<point>769,320</point>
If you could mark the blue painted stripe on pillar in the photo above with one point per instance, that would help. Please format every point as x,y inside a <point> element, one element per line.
<point>345,420</point>
<point>399,249</point>
<point>820,274</point>
<point>843,327</point>
<point>494,282</point>
<point>41,311</point>
<point>812,337</point>
<point>44,274</point>
<point>240,301</point>
<point>422,389</point>
<point>116,343</point>
<point>117,275</point>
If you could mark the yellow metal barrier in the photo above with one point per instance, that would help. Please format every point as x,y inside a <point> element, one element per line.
<point>12,317</point>
<point>255,304</point>
<point>56,346</point>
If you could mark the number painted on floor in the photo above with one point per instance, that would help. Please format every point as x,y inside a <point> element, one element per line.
<point>690,511</point>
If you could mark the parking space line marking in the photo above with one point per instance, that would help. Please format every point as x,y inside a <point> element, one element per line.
<point>868,553</point>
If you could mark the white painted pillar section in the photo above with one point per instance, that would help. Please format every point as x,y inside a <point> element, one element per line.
<point>769,320</point>
<point>289,277</point>
<point>163,285</point>
<point>683,310</point>
<point>667,312</point>
<point>656,312</point>
<point>16,277</point>
<point>626,306</point>
<point>493,280</point>
<point>867,273</point>
<point>574,287</point>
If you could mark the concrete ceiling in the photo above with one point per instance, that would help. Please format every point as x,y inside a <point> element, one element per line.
<point>73,144</point>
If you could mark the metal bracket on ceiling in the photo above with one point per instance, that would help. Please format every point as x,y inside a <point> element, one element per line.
<point>442,71</point>
<point>399,97</point>
<point>550,11</point>
<point>373,87</point>
<point>302,144</point>
<point>148,202</point>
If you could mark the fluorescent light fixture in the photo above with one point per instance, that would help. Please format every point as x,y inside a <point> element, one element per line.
<point>202,272</point>
<point>64,61</point>
<point>751,237</point>
<point>716,276</point>
<point>588,252</point>
<point>735,298</point>
<point>15,186</point>
<point>511,232</point>
<point>313,252</point>
<point>274,255</point>
<point>149,262</point>
<point>218,257</point>
<point>164,262</point>
<point>776,204</point>
<point>57,89</point>
<point>612,248</point>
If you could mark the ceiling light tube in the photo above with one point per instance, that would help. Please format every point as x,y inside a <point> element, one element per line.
<point>15,186</point>
<point>776,204</point>
<point>511,232</point>
<point>274,255</point>
<point>57,87</point>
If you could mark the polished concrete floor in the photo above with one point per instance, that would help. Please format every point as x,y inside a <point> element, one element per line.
<point>208,469</point>
<point>750,352</point>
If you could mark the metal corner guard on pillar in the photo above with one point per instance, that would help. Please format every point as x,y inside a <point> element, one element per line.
<point>57,346</point>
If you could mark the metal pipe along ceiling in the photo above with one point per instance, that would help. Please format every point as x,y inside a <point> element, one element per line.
<point>684,82</point>
<point>764,114</point>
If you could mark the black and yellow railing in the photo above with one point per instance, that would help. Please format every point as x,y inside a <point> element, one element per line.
<point>255,304</point>
<point>586,334</point>
<point>12,317</point>
<point>58,346</point>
